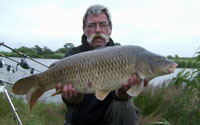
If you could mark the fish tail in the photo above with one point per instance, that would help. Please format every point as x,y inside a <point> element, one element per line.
<point>28,86</point>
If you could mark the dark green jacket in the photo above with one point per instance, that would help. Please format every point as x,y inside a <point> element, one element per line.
<point>90,111</point>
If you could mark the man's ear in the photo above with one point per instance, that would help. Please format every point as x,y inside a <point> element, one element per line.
<point>84,31</point>
<point>110,31</point>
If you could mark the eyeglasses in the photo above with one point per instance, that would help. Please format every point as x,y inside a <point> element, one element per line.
<point>94,25</point>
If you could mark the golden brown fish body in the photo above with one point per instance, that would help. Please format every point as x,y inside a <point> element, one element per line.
<point>98,71</point>
<point>92,70</point>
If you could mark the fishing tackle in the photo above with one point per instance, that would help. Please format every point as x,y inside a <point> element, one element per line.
<point>32,70</point>
<point>22,54</point>
<point>1,63</point>
<point>23,64</point>
<point>8,68</point>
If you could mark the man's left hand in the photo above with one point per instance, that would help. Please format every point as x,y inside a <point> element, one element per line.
<point>133,80</point>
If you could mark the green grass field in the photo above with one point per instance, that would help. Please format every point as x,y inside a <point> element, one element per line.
<point>42,114</point>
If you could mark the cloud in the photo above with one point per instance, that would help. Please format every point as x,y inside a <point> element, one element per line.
<point>154,24</point>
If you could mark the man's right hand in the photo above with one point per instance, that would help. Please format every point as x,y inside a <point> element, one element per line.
<point>69,93</point>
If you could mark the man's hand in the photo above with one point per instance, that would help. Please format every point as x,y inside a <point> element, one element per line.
<point>69,93</point>
<point>133,80</point>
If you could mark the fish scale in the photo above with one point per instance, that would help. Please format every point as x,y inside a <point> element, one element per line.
<point>98,71</point>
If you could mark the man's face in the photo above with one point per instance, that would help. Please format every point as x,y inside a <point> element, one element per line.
<point>97,30</point>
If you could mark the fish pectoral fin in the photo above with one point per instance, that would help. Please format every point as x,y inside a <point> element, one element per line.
<point>135,90</point>
<point>57,92</point>
<point>101,94</point>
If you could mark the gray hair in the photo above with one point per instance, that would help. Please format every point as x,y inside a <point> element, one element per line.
<point>96,10</point>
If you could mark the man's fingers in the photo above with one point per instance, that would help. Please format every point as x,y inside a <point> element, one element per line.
<point>58,86</point>
<point>124,86</point>
<point>74,92</point>
<point>64,91</point>
<point>136,79</point>
<point>69,90</point>
<point>146,81</point>
<point>131,81</point>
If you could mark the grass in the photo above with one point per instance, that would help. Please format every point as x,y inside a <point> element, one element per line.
<point>173,104</point>
<point>42,114</point>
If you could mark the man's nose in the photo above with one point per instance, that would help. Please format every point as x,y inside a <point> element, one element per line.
<point>98,29</point>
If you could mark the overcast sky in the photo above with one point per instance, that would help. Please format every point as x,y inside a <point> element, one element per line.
<point>166,27</point>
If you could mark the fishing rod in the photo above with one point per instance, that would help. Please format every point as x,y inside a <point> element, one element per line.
<point>3,81</point>
<point>2,55</point>
<point>9,67</point>
<point>22,54</point>
<point>23,63</point>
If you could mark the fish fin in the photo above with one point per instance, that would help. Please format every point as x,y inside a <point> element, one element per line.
<point>28,86</point>
<point>57,92</point>
<point>52,65</point>
<point>101,94</point>
<point>23,85</point>
<point>33,95</point>
<point>135,90</point>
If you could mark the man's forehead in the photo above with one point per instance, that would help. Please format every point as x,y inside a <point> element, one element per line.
<point>97,18</point>
<point>94,22</point>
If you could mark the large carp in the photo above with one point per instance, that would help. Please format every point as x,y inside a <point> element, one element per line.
<point>98,71</point>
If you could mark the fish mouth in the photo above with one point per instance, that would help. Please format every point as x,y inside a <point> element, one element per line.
<point>172,67</point>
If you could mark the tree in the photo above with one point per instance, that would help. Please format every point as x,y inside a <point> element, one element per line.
<point>66,48</point>
<point>26,50</point>
<point>176,56</point>
<point>61,50</point>
<point>170,57</point>
<point>39,50</point>
<point>69,45</point>
<point>117,44</point>
<point>47,50</point>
